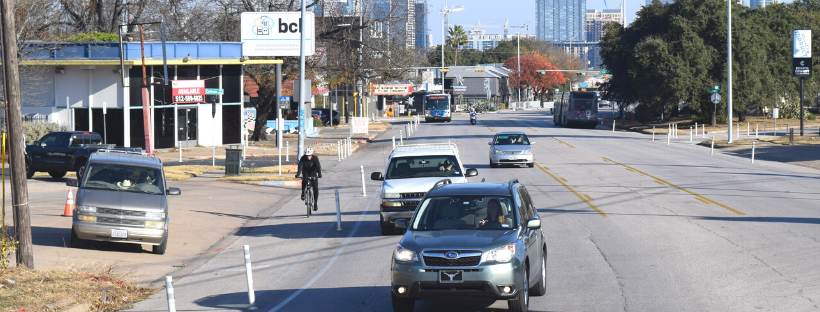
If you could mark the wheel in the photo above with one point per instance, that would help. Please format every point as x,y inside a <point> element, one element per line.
<point>532,164</point>
<point>29,170</point>
<point>309,200</point>
<point>75,241</point>
<point>521,301</point>
<point>81,169</point>
<point>402,304</point>
<point>160,249</point>
<point>540,287</point>
<point>388,229</point>
<point>57,174</point>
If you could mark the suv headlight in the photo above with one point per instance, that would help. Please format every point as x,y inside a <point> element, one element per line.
<point>392,195</point>
<point>82,208</point>
<point>498,151</point>
<point>405,255</point>
<point>155,215</point>
<point>500,254</point>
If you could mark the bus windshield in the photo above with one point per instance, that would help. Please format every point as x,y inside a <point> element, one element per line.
<point>437,103</point>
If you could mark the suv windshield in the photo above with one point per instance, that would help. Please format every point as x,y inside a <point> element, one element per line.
<point>424,166</point>
<point>123,178</point>
<point>465,212</point>
<point>511,139</point>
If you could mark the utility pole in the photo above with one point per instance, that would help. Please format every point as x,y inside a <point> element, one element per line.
<point>146,98</point>
<point>17,163</point>
<point>302,93</point>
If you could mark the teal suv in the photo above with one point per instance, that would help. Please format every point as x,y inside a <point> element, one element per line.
<point>471,241</point>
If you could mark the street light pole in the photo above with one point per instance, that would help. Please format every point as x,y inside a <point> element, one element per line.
<point>518,48</point>
<point>302,97</point>
<point>445,15</point>
<point>729,57</point>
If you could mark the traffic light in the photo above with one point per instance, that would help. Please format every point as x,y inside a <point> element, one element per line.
<point>581,74</point>
<point>542,72</point>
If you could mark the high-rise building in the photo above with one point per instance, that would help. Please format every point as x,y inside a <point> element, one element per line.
<point>479,40</point>
<point>560,20</point>
<point>596,19</point>
<point>421,24</point>
<point>648,2</point>
<point>759,3</point>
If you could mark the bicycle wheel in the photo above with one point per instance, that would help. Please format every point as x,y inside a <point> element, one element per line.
<point>309,200</point>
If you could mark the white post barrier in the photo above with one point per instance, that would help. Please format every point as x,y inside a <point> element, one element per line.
<point>747,129</point>
<point>737,132</point>
<point>180,151</point>
<point>668,138</point>
<point>249,275</point>
<point>401,138</point>
<point>213,156</point>
<point>756,129</point>
<point>690,134</point>
<point>280,158</point>
<point>703,133</point>
<point>753,152</point>
<point>350,146</point>
<point>653,133</point>
<point>169,293</point>
<point>244,147</point>
<point>696,128</point>
<point>287,150</point>
<point>364,193</point>
<point>764,128</point>
<point>339,150</point>
<point>338,213</point>
<point>712,151</point>
<point>613,125</point>
<point>675,126</point>
<point>394,142</point>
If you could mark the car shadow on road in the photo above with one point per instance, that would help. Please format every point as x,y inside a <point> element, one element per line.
<point>60,237</point>
<point>363,298</point>
<point>367,228</point>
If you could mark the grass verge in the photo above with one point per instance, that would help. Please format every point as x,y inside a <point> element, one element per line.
<point>257,178</point>
<point>289,169</point>
<point>181,173</point>
<point>805,140</point>
<point>56,289</point>
<point>70,174</point>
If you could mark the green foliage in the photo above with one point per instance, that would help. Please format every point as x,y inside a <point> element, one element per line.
<point>810,116</point>
<point>96,36</point>
<point>36,130</point>
<point>317,122</point>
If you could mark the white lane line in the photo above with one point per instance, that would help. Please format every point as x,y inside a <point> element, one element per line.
<point>333,259</point>
<point>309,250</point>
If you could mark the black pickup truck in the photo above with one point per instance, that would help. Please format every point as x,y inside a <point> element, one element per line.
<point>60,152</point>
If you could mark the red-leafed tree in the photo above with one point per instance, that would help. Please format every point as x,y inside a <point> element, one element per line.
<point>530,76</point>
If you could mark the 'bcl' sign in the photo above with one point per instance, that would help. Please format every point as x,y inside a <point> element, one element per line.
<point>188,91</point>
<point>276,33</point>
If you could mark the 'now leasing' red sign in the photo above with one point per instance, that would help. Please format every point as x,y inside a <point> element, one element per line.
<point>188,91</point>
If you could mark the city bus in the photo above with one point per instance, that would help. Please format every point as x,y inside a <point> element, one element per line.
<point>577,108</point>
<point>437,107</point>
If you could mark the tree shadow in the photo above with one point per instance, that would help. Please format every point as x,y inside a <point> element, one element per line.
<point>367,228</point>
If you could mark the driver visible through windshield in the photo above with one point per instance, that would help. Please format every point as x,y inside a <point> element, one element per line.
<point>123,178</point>
<point>465,212</point>
<point>424,166</point>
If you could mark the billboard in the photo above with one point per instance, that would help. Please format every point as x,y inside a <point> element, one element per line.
<point>801,53</point>
<point>188,91</point>
<point>276,33</point>
<point>392,89</point>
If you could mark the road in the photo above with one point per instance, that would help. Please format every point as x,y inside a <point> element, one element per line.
<point>631,225</point>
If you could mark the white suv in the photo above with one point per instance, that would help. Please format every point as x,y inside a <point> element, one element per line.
<point>411,171</point>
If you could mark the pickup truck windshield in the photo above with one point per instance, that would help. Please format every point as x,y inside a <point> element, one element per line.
<point>465,212</point>
<point>424,166</point>
<point>123,178</point>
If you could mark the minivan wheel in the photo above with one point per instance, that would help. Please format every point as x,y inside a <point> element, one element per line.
<point>160,249</point>
<point>75,241</point>
<point>522,299</point>
<point>402,304</point>
<point>57,174</point>
<point>540,287</point>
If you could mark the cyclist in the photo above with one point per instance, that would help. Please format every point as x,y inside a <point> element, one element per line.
<point>309,167</point>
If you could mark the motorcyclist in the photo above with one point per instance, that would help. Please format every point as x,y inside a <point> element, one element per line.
<point>472,116</point>
<point>309,166</point>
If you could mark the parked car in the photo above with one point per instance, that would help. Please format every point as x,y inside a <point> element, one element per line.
<point>412,170</point>
<point>471,240</point>
<point>511,148</point>
<point>324,115</point>
<point>122,198</point>
<point>63,151</point>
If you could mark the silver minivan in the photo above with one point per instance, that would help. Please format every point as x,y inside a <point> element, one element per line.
<point>122,198</point>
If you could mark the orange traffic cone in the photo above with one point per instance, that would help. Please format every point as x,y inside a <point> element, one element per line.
<point>69,205</point>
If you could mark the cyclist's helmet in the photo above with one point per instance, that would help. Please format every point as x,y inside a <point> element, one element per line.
<point>309,151</point>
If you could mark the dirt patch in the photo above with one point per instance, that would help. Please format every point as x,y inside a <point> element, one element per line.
<point>251,178</point>
<point>56,289</point>
<point>181,173</point>
<point>798,140</point>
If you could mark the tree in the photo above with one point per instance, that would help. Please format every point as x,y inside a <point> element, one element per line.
<point>456,37</point>
<point>530,75</point>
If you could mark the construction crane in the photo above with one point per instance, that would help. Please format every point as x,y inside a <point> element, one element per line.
<point>506,26</point>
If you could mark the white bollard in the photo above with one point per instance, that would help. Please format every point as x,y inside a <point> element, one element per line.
<point>213,156</point>
<point>287,151</point>
<point>339,150</point>
<point>364,193</point>
<point>737,132</point>
<point>394,142</point>
<point>180,151</point>
<point>747,129</point>
<point>753,152</point>
<point>401,138</point>
<point>696,129</point>
<point>350,146</point>
<point>249,275</point>
<point>690,134</point>
<point>280,158</point>
<point>703,133</point>
<point>756,129</point>
<point>338,213</point>
<point>653,133</point>
<point>169,293</point>
<point>668,138</point>
<point>764,128</point>
<point>675,128</point>
<point>613,125</point>
<point>712,151</point>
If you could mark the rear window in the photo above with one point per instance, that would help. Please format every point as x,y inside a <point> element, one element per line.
<point>77,139</point>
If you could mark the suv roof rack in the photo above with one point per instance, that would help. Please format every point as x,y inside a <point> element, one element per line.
<point>132,151</point>
<point>441,183</point>
<point>512,182</point>
<point>427,146</point>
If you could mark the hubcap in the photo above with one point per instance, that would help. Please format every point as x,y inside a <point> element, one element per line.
<point>527,289</point>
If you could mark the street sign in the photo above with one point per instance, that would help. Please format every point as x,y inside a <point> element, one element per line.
<point>214,92</point>
<point>715,98</point>
<point>604,72</point>
<point>105,106</point>
<point>583,84</point>
<point>459,89</point>
<point>801,53</point>
<point>392,89</point>
<point>284,102</point>
<point>716,89</point>
<point>188,91</point>
<point>285,98</point>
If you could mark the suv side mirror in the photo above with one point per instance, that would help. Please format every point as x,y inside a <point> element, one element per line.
<point>471,172</point>
<point>531,142</point>
<point>42,144</point>
<point>37,143</point>
<point>376,176</point>
<point>401,223</point>
<point>174,191</point>
<point>534,223</point>
<point>72,182</point>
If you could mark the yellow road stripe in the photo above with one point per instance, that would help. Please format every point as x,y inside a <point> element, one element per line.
<point>565,180</point>
<point>659,182</point>
<point>589,197</point>
<point>572,190</point>
<point>517,123</point>
<point>699,197</point>
<point>562,142</point>
<point>488,127</point>
<point>706,202</point>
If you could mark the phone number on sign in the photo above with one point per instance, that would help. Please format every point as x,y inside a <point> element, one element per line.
<point>189,98</point>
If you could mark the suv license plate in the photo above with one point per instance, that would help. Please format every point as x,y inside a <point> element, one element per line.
<point>451,276</point>
<point>119,234</point>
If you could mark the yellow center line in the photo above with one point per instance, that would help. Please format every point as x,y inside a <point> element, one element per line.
<point>589,197</point>
<point>572,190</point>
<point>565,180</point>
<point>488,127</point>
<point>659,182</point>
<point>698,196</point>
<point>562,142</point>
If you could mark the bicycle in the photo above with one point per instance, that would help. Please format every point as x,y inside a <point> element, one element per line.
<point>309,195</point>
